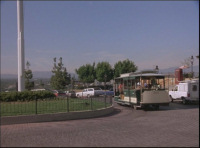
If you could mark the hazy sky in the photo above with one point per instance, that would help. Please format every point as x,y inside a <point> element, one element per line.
<point>150,33</point>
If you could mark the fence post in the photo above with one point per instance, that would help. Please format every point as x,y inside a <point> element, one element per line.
<point>91,103</point>
<point>105,100</point>
<point>67,103</point>
<point>35,105</point>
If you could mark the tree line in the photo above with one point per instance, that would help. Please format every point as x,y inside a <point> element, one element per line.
<point>88,73</point>
<point>103,71</point>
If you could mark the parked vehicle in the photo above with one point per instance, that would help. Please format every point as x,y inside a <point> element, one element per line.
<point>109,92</point>
<point>71,93</point>
<point>59,93</point>
<point>187,91</point>
<point>88,92</point>
<point>38,89</point>
<point>141,89</point>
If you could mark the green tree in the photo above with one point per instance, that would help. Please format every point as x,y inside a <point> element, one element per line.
<point>28,76</point>
<point>86,73</point>
<point>104,72</point>
<point>187,75</point>
<point>72,82</point>
<point>60,77</point>
<point>125,66</point>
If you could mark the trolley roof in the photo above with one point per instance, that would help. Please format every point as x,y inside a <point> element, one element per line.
<point>141,74</point>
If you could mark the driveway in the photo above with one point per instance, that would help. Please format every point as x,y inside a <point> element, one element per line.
<point>174,126</point>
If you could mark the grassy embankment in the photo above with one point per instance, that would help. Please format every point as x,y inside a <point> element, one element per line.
<point>50,106</point>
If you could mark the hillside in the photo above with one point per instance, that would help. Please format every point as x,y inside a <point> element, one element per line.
<point>48,74</point>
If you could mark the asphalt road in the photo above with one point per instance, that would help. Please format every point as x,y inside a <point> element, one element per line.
<point>174,126</point>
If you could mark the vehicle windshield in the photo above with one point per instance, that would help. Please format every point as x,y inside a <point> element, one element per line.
<point>59,91</point>
<point>153,83</point>
<point>111,89</point>
<point>97,88</point>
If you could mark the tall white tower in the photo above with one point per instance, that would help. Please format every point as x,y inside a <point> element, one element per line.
<point>20,41</point>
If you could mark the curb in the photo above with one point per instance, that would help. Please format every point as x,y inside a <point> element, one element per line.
<point>55,117</point>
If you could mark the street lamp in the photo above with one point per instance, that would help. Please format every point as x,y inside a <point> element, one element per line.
<point>192,61</point>
<point>105,77</point>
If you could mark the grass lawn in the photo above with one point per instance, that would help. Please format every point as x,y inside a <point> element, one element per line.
<point>51,106</point>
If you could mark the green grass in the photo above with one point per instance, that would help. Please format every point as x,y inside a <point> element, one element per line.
<point>55,105</point>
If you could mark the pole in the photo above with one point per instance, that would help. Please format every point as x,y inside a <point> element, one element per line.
<point>35,105</point>
<point>192,60</point>
<point>105,76</point>
<point>192,70</point>
<point>20,41</point>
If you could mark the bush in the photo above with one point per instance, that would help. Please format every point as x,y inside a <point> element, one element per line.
<point>25,95</point>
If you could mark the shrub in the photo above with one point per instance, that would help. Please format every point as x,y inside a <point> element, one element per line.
<point>24,96</point>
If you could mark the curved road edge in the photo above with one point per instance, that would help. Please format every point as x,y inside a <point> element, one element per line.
<point>56,116</point>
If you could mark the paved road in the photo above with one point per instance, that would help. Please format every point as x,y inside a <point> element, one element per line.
<point>173,126</point>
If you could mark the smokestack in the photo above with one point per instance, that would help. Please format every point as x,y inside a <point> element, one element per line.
<point>20,41</point>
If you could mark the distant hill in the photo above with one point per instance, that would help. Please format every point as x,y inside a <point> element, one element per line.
<point>48,74</point>
<point>42,74</point>
<point>36,75</point>
<point>8,76</point>
<point>172,70</point>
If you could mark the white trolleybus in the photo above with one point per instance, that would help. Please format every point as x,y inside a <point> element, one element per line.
<point>141,89</point>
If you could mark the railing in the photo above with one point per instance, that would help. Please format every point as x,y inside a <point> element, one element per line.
<point>54,105</point>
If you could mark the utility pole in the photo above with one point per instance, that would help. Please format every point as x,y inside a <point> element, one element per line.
<point>20,41</point>
<point>192,61</point>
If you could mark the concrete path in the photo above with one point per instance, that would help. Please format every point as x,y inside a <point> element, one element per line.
<point>173,126</point>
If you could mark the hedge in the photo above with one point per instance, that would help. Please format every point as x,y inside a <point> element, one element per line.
<point>25,95</point>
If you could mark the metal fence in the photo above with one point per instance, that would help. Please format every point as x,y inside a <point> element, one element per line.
<point>54,105</point>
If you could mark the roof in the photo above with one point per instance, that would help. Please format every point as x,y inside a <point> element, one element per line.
<point>190,81</point>
<point>142,73</point>
<point>149,74</point>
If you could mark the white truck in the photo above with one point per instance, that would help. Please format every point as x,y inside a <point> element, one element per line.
<point>88,92</point>
<point>187,91</point>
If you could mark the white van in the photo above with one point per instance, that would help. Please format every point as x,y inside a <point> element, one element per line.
<point>187,91</point>
<point>88,92</point>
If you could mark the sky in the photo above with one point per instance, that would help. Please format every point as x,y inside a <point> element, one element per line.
<point>149,33</point>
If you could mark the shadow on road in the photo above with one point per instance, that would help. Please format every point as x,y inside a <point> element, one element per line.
<point>172,106</point>
<point>179,106</point>
<point>116,111</point>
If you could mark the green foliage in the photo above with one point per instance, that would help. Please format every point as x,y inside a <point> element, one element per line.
<point>61,77</point>
<point>51,105</point>
<point>87,73</point>
<point>104,72</point>
<point>187,75</point>
<point>28,76</point>
<point>29,85</point>
<point>125,66</point>
<point>24,95</point>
